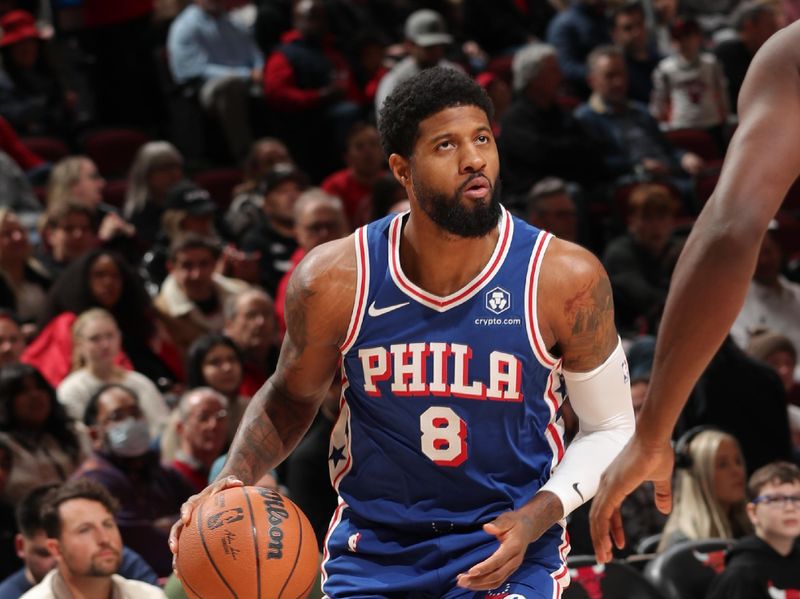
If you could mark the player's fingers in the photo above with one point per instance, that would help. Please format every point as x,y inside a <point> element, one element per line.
<point>663,495</point>
<point>617,531</point>
<point>490,573</point>
<point>174,533</point>
<point>599,523</point>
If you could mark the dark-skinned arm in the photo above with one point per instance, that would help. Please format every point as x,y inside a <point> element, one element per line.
<point>712,275</point>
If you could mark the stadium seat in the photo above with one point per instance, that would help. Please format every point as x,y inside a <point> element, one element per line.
<point>219,182</point>
<point>51,149</point>
<point>614,580</point>
<point>113,150</point>
<point>697,141</point>
<point>685,570</point>
<point>648,544</point>
<point>114,193</point>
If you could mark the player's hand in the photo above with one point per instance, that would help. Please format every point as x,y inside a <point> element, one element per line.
<point>188,507</point>
<point>636,463</point>
<point>515,531</point>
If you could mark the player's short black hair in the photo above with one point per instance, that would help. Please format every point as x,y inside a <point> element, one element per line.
<point>425,94</point>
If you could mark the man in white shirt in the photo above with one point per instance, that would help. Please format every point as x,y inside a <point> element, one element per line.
<point>83,538</point>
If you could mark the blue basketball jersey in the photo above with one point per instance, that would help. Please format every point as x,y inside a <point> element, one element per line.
<point>450,405</point>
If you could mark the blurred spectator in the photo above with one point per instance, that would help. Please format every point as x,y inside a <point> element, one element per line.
<point>272,229</point>
<point>210,53</point>
<point>215,361</point>
<point>640,262</point>
<point>202,429</point>
<point>779,352</point>
<point>502,26</point>
<point>47,447</point>
<point>746,398</point>
<point>664,13</point>
<point>766,564</point>
<point>713,15</point>
<point>499,93</point>
<point>318,218</point>
<point>96,342</point>
<point>388,197</point>
<point>641,57</point>
<point>709,490</point>
<point>365,165</point>
<point>250,324</point>
<point>634,142</point>
<point>12,341</point>
<point>574,33</point>
<point>310,86</point>
<point>772,301</point>
<point>377,18</point>
<point>35,167</point>
<point>149,494</point>
<point>102,279</point>
<point>427,38</point>
<point>690,91</point>
<point>32,96</point>
<point>24,274</point>
<point>264,154</point>
<point>189,209</point>
<point>78,518</point>
<point>31,546</point>
<point>68,232</point>
<point>191,298</point>
<point>16,193</point>
<point>157,167</point>
<point>754,22</point>
<point>538,138</point>
<point>77,179</point>
<point>550,207</point>
<point>369,65</point>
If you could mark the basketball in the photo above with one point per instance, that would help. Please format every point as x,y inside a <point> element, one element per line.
<point>247,543</point>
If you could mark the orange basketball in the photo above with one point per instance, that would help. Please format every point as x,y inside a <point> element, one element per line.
<point>247,543</point>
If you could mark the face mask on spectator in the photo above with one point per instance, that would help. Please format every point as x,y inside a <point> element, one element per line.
<point>129,438</point>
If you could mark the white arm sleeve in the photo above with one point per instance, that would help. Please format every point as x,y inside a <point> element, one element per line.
<point>602,401</point>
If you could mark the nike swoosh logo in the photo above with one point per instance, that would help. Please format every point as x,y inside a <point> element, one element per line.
<point>575,486</point>
<point>373,311</point>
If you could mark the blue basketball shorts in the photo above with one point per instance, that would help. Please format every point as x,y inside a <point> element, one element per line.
<point>367,562</point>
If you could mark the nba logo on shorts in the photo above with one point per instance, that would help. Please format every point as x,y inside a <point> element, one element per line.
<point>498,300</point>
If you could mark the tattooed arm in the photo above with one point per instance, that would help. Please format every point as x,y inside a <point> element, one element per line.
<point>576,319</point>
<point>319,302</point>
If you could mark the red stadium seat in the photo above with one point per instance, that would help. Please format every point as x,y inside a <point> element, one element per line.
<point>219,182</point>
<point>114,193</point>
<point>697,141</point>
<point>590,580</point>
<point>113,150</point>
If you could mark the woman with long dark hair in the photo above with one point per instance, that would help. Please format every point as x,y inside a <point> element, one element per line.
<point>47,446</point>
<point>102,279</point>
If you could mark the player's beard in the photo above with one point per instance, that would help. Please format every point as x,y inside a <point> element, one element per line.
<point>456,216</point>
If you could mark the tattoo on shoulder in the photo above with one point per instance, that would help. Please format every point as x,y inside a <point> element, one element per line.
<point>590,313</point>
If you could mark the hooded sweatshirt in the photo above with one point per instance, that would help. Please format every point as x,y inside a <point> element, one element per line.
<point>754,570</point>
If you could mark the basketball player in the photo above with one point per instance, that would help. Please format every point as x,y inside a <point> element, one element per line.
<point>711,278</point>
<point>460,330</point>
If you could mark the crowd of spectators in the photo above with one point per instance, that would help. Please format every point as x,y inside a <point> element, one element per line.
<point>140,311</point>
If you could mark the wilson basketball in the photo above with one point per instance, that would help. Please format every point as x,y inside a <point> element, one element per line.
<point>248,543</point>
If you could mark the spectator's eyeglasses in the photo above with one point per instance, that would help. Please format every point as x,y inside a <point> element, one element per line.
<point>776,500</point>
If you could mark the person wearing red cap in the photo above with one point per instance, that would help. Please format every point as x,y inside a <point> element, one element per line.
<point>32,96</point>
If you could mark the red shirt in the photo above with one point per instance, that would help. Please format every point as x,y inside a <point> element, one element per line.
<point>356,197</point>
<point>98,13</point>
<point>11,145</point>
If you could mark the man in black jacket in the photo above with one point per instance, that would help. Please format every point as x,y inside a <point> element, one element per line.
<point>766,564</point>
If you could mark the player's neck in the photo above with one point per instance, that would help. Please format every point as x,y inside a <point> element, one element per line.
<point>440,262</point>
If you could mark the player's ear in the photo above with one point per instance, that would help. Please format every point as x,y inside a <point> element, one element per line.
<point>400,169</point>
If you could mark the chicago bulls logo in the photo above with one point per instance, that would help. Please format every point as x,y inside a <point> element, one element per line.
<point>590,577</point>
<point>713,559</point>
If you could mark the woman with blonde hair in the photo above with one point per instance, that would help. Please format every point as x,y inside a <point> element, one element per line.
<point>710,489</point>
<point>96,342</point>
<point>157,167</point>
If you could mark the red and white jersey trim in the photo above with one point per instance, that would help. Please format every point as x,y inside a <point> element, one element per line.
<point>531,301</point>
<point>335,521</point>
<point>362,289</point>
<point>561,576</point>
<point>436,302</point>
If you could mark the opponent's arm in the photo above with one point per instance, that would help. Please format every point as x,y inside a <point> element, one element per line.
<point>712,274</point>
<point>576,319</point>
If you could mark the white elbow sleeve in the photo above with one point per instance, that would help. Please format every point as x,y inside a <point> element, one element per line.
<point>602,402</point>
